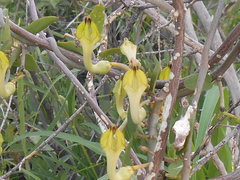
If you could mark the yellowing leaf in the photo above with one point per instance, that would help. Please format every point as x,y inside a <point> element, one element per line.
<point>7,89</point>
<point>87,33</point>
<point>135,82</point>
<point>120,94</point>
<point>165,73</point>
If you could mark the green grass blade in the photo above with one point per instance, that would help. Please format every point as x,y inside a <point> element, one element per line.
<point>209,105</point>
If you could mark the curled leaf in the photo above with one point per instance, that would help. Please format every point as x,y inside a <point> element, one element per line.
<point>120,94</point>
<point>182,129</point>
<point>134,83</point>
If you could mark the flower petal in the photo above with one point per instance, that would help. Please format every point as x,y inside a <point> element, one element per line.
<point>4,64</point>
<point>129,49</point>
<point>87,33</point>
<point>135,82</point>
<point>120,94</point>
<point>113,140</point>
<point>165,73</point>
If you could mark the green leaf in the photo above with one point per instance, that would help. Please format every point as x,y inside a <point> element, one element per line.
<point>209,105</point>
<point>94,146</point>
<point>9,133</point>
<point>30,63</point>
<point>98,16</point>
<point>71,46</point>
<point>41,24</point>
<point>154,76</point>
<point>5,2</point>
<point>5,35</point>
<point>175,168</point>
<point>191,82</point>
<point>108,54</point>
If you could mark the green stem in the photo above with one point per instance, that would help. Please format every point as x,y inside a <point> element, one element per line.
<point>120,65</point>
<point>102,67</point>
<point>21,111</point>
<point>235,118</point>
<point>111,165</point>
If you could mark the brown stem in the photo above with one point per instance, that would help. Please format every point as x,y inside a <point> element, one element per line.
<point>225,46</point>
<point>228,62</point>
<point>171,97</point>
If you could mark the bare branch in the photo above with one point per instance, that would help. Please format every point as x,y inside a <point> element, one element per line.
<point>228,62</point>
<point>225,46</point>
<point>216,160</point>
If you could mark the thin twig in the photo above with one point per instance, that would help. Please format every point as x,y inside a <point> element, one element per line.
<point>79,14</point>
<point>208,156</point>
<point>216,160</point>
<point>211,130</point>
<point>228,62</point>
<point>6,114</point>
<point>162,5</point>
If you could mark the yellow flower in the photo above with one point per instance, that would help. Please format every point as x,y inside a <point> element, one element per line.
<point>112,142</point>
<point>120,94</point>
<point>129,49</point>
<point>7,89</point>
<point>134,83</point>
<point>165,73</point>
<point>88,34</point>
